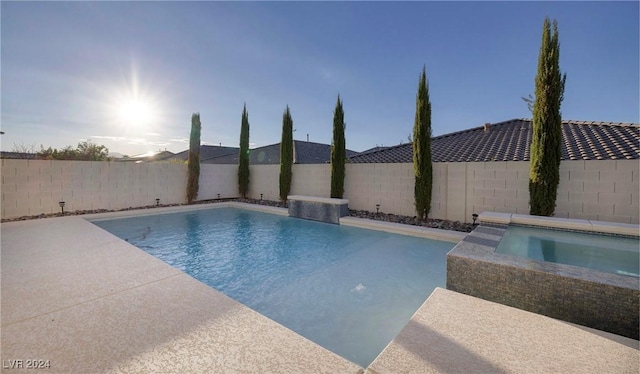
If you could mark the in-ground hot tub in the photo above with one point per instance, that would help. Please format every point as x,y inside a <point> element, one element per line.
<point>597,298</point>
<point>607,253</point>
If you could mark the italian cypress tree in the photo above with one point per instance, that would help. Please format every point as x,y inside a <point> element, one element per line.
<point>286,154</point>
<point>338,152</point>
<point>243,157</point>
<point>422,149</point>
<point>546,151</point>
<point>194,158</point>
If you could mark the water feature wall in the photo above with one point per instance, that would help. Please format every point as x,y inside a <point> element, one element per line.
<point>318,208</point>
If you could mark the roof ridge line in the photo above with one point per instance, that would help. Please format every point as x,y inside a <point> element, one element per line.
<point>482,127</point>
<point>597,123</point>
<point>383,149</point>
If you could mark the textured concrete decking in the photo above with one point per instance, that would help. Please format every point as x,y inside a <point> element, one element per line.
<point>456,333</point>
<point>90,302</point>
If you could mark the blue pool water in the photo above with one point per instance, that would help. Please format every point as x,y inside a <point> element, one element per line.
<point>611,254</point>
<point>350,290</point>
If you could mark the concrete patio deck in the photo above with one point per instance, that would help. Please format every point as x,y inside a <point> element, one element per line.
<point>88,302</point>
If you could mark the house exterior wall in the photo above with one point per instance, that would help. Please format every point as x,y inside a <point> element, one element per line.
<point>604,190</point>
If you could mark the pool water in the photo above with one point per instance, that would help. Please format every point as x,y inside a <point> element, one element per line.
<point>611,254</point>
<point>348,289</point>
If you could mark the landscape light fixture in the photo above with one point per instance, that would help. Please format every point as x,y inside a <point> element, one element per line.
<point>61,203</point>
<point>157,202</point>
<point>377,208</point>
<point>475,217</point>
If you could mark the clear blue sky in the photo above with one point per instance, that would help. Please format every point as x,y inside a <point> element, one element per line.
<point>76,71</point>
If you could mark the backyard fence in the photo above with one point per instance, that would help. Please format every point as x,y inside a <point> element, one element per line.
<point>604,190</point>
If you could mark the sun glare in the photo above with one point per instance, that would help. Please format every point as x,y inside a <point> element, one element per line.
<point>136,112</point>
<point>133,107</point>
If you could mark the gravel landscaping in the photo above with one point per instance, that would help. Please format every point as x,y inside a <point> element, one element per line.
<point>406,220</point>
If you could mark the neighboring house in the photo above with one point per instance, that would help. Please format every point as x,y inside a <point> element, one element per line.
<point>486,169</point>
<point>18,155</point>
<point>511,140</point>
<point>303,153</point>
<point>374,149</point>
<point>208,152</point>
<point>146,157</point>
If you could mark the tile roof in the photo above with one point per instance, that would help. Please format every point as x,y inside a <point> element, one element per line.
<point>510,141</point>
<point>314,153</point>
<point>209,152</point>
<point>374,149</point>
<point>305,153</point>
<point>18,155</point>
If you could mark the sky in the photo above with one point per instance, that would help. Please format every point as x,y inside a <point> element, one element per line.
<point>129,75</point>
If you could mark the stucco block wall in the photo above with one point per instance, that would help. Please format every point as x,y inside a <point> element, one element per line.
<point>390,185</point>
<point>605,190</point>
<point>498,186</point>
<point>456,196</point>
<point>311,180</point>
<point>32,187</point>
<point>306,180</point>
<point>264,179</point>
<point>218,179</point>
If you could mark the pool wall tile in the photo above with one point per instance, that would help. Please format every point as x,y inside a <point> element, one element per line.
<point>324,210</point>
<point>603,301</point>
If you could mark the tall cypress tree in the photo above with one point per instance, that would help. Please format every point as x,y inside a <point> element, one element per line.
<point>422,149</point>
<point>338,152</point>
<point>546,148</point>
<point>243,157</point>
<point>194,158</point>
<point>286,155</point>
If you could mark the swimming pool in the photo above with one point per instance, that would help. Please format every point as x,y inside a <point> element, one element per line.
<point>611,254</point>
<point>348,289</point>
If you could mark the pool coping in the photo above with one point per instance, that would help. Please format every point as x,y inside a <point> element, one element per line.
<point>399,228</point>
<point>184,208</point>
<point>390,227</point>
<point>110,307</point>
<point>561,223</point>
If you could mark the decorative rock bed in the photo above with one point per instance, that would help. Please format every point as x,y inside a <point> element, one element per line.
<point>406,220</point>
